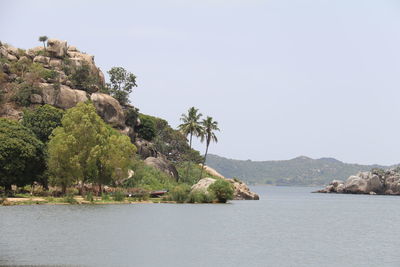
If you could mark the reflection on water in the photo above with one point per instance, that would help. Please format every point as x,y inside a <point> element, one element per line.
<point>287,227</point>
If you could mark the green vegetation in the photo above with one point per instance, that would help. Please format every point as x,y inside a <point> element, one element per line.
<point>119,196</point>
<point>82,78</point>
<point>146,129</point>
<point>22,157</point>
<point>42,121</point>
<point>121,84</point>
<point>43,39</point>
<point>223,190</point>
<point>191,126</point>
<point>85,149</point>
<point>208,134</point>
<point>73,156</point>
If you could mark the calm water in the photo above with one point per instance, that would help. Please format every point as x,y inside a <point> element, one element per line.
<point>287,227</point>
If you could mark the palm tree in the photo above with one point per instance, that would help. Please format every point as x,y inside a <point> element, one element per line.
<point>43,39</point>
<point>209,128</point>
<point>191,126</point>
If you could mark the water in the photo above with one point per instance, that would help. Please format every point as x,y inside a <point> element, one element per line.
<point>287,227</point>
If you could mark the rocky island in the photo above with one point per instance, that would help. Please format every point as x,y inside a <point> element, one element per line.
<point>375,182</point>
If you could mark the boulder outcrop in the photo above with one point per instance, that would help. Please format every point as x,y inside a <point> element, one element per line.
<point>163,165</point>
<point>109,109</point>
<point>57,48</point>
<point>241,190</point>
<point>375,182</point>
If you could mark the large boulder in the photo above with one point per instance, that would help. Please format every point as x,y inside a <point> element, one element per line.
<point>163,165</point>
<point>49,94</point>
<point>34,51</point>
<point>57,48</point>
<point>145,148</point>
<point>109,109</point>
<point>241,190</point>
<point>68,98</point>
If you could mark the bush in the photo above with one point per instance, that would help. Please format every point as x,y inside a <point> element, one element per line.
<point>119,196</point>
<point>222,189</point>
<point>69,198</point>
<point>23,94</point>
<point>149,178</point>
<point>89,197</point>
<point>82,78</point>
<point>105,197</point>
<point>199,196</point>
<point>179,193</point>
<point>147,128</point>
<point>131,116</point>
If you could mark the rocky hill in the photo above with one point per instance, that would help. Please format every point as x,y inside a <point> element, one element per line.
<point>62,76</point>
<point>298,171</point>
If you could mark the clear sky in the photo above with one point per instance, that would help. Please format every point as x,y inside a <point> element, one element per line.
<point>283,78</point>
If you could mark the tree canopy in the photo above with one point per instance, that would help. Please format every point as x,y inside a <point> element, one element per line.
<point>22,158</point>
<point>42,120</point>
<point>121,84</point>
<point>86,149</point>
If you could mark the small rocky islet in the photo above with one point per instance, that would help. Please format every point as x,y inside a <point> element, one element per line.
<point>374,182</point>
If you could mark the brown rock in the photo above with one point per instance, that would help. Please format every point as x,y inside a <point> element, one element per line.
<point>109,109</point>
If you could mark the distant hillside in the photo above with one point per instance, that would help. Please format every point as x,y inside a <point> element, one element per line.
<point>298,171</point>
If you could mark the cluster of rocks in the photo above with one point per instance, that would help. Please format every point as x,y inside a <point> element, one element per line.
<point>374,182</point>
<point>241,190</point>
<point>61,92</point>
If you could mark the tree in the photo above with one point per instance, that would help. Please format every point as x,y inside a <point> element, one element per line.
<point>122,83</point>
<point>22,158</point>
<point>43,39</point>
<point>85,149</point>
<point>208,134</point>
<point>146,129</point>
<point>191,126</point>
<point>42,121</point>
<point>222,189</point>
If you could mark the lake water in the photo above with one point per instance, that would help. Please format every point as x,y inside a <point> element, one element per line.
<point>289,226</point>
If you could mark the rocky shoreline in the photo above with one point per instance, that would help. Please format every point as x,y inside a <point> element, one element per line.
<point>375,182</point>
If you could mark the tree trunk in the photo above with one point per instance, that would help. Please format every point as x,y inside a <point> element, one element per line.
<point>63,189</point>
<point>204,161</point>
<point>190,150</point>
<point>8,189</point>
<point>100,190</point>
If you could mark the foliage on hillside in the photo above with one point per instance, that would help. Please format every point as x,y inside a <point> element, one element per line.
<point>297,171</point>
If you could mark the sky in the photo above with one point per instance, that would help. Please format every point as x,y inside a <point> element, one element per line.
<point>283,78</point>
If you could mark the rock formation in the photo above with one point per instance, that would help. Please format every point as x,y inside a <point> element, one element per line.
<point>162,164</point>
<point>241,190</point>
<point>375,182</point>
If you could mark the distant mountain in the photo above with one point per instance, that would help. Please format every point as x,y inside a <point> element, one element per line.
<point>298,171</point>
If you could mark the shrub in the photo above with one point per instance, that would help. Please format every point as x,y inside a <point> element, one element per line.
<point>89,197</point>
<point>131,116</point>
<point>119,196</point>
<point>179,193</point>
<point>82,78</point>
<point>23,94</point>
<point>222,189</point>
<point>199,196</point>
<point>147,128</point>
<point>69,198</point>
<point>105,196</point>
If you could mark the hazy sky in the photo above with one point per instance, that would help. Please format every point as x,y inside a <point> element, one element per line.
<point>283,78</point>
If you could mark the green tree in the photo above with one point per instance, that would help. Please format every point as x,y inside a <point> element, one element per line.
<point>191,126</point>
<point>85,149</point>
<point>146,129</point>
<point>208,134</point>
<point>22,158</point>
<point>42,121</point>
<point>82,78</point>
<point>43,39</point>
<point>223,190</point>
<point>121,84</point>
<point>110,160</point>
